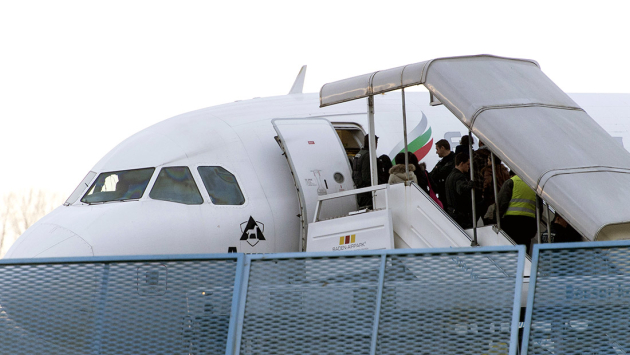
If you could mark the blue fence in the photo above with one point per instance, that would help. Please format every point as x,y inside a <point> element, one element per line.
<point>579,299</point>
<point>446,301</point>
<point>118,306</point>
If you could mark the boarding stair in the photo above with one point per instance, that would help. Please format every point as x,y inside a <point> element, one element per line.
<point>404,216</point>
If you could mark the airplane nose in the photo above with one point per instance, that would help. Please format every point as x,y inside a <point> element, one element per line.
<point>44,240</point>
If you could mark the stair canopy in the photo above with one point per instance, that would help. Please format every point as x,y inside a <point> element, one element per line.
<point>528,122</point>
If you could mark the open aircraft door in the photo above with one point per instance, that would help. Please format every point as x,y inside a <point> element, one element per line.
<point>319,165</point>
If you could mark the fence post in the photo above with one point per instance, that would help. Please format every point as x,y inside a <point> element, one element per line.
<point>379,296</point>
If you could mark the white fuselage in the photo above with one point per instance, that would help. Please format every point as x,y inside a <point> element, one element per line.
<point>239,137</point>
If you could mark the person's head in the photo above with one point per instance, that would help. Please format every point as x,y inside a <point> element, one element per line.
<point>442,148</point>
<point>366,141</point>
<point>465,139</point>
<point>400,158</point>
<point>561,221</point>
<point>497,161</point>
<point>413,159</point>
<point>462,162</point>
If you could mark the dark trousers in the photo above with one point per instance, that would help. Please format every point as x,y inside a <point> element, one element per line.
<point>463,219</point>
<point>520,228</point>
<point>365,200</point>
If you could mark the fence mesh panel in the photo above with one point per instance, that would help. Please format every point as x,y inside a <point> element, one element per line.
<point>581,301</point>
<point>455,301</point>
<point>156,307</point>
<point>311,306</point>
<point>448,304</point>
<point>432,303</point>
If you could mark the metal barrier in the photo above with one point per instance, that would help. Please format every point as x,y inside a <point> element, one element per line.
<point>150,305</point>
<point>432,301</point>
<point>579,299</point>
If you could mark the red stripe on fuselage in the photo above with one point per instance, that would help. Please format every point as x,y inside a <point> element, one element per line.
<point>422,152</point>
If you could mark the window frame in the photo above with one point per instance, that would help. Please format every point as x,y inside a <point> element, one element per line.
<point>206,194</point>
<point>192,174</point>
<point>98,174</point>
<point>79,193</point>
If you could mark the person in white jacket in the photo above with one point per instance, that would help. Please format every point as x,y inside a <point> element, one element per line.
<point>397,172</point>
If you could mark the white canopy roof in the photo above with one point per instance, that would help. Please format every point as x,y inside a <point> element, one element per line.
<point>528,122</point>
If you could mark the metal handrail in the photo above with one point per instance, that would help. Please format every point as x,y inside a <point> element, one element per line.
<point>322,198</point>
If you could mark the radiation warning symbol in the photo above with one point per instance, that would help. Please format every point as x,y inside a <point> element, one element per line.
<point>252,231</point>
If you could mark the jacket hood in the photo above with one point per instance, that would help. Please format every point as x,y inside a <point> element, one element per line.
<point>400,169</point>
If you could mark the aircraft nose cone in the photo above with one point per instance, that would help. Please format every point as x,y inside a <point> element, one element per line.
<point>45,240</point>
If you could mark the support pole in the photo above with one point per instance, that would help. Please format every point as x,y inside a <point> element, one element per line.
<point>99,319</point>
<point>548,224</point>
<point>538,204</point>
<point>496,192</point>
<point>372,136</point>
<point>379,298</point>
<point>404,112</point>
<point>472,191</point>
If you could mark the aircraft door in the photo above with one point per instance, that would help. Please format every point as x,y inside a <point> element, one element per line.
<point>319,165</point>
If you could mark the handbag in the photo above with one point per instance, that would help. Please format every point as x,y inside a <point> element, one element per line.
<point>490,212</point>
<point>432,192</point>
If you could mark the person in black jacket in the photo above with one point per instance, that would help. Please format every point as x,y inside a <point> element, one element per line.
<point>561,232</point>
<point>458,186</point>
<point>443,168</point>
<point>463,145</point>
<point>361,172</point>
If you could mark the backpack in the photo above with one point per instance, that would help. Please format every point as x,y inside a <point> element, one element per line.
<point>356,169</point>
<point>383,164</point>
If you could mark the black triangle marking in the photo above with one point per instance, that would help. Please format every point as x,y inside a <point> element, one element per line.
<point>251,224</point>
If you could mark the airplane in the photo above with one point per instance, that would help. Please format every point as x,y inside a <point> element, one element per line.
<point>220,179</point>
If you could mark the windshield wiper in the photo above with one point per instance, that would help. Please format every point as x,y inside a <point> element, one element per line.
<point>121,200</point>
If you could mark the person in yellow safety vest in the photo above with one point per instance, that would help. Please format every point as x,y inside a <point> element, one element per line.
<point>517,208</point>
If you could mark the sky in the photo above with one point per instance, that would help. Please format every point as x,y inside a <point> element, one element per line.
<point>78,77</point>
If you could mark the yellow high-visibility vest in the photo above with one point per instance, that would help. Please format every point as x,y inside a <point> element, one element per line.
<point>523,202</point>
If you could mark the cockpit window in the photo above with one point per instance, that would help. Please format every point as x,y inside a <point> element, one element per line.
<point>176,184</point>
<point>82,186</point>
<point>119,186</point>
<point>221,185</point>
